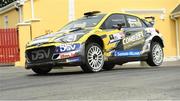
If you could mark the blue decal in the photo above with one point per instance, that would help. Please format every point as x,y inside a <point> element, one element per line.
<point>127,53</point>
<point>67,48</point>
<point>73,59</point>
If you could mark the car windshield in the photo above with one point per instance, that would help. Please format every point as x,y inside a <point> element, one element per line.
<point>84,22</point>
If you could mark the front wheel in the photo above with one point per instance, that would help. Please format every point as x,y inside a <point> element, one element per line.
<point>156,55</point>
<point>94,58</point>
<point>41,70</point>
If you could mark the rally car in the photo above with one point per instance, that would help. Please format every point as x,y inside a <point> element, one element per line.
<point>96,42</point>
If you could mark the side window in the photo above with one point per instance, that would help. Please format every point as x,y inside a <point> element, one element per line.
<point>143,23</point>
<point>6,21</point>
<point>148,24</point>
<point>134,22</point>
<point>113,20</point>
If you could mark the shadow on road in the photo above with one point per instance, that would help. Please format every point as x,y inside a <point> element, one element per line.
<point>58,73</point>
<point>80,72</point>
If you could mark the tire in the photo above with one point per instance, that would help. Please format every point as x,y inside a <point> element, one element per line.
<point>41,70</point>
<point>156,55</point>
<point>94,58</point>
<point>108,66</point>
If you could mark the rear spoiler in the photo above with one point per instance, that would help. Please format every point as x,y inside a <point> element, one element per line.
<point>150,19</point>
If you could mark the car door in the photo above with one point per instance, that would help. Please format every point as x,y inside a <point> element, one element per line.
<point>114,35</point>
<point>131,45</point>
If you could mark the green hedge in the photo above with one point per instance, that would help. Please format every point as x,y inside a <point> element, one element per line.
<point>5,2</point>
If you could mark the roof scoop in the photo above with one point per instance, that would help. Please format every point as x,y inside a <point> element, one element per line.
<point>91,13</point>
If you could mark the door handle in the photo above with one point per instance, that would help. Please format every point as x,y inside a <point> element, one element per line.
<point>128,33</point>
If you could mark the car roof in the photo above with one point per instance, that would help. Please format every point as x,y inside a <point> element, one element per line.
<point>122,13</point>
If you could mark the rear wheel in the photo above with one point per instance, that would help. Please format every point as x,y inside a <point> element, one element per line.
<point>41,70</point>
<point>94,58</point>
<point>156,55</point>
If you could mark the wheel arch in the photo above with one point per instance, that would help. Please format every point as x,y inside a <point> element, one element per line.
<point>158,39</point>
<point>96,39</point>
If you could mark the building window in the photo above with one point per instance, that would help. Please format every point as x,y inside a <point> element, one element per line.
<point>6,21</point>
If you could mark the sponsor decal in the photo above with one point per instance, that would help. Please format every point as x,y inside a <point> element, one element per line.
<point>73,59</point>
<point>133,40</point>
<point>116,37</point>
<point>128,53</point>
<point>133,22</point>
<point>150,30</point>
<point>67,55</point>
<point>40,54</point>
<point>67,48</point>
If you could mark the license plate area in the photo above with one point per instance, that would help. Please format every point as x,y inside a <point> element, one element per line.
<point>39,55</point>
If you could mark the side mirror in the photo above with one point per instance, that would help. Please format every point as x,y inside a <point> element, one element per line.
<point>119,26</point>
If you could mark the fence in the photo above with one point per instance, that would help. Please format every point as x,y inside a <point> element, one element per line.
<point>9,45</point>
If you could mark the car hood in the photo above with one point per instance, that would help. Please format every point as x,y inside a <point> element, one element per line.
<point>47,37</point>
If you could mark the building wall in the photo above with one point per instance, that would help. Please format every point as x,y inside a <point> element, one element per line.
<point>179,30</point>
<point>179,23</point>
<point>166,26</point>
<point>13,19</point>
<point>51,15</point>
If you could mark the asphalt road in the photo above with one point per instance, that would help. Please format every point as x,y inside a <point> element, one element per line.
<point>125,83</point>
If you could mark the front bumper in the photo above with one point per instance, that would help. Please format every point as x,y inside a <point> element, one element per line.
<point>64,62</point>
<point>58,57</point>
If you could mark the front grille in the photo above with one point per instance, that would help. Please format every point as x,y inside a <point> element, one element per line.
<point>39,55</point>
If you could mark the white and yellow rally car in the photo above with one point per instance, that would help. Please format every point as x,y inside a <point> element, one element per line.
<point>97,41</point>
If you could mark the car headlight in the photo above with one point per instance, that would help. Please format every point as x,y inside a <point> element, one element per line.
<point>68,38</point>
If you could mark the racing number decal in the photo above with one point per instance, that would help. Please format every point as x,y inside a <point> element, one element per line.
<point>116,37</point>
